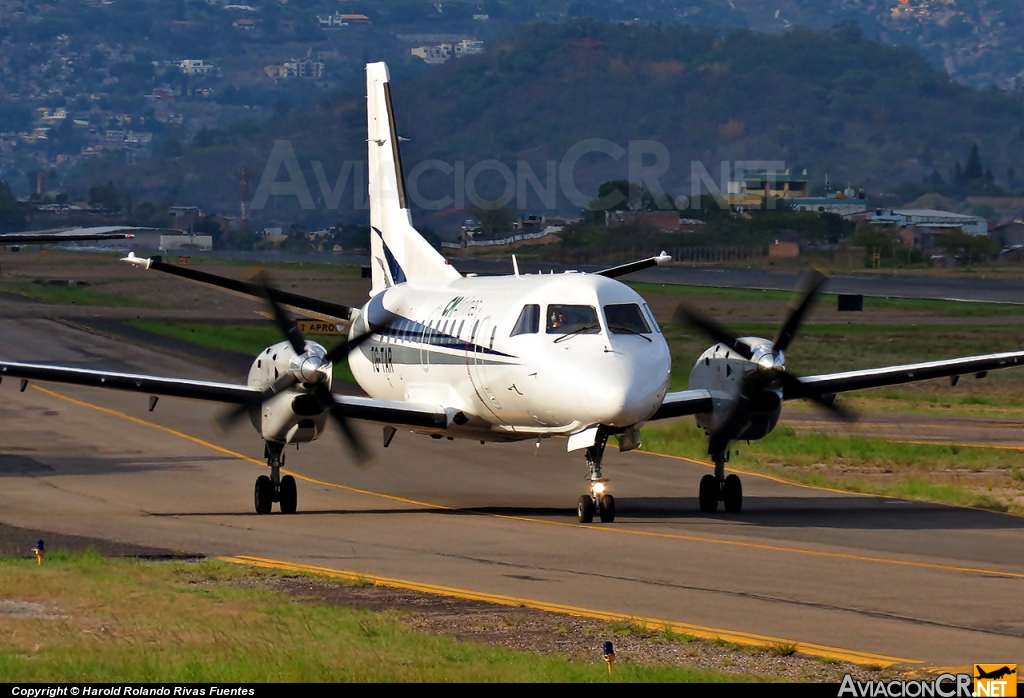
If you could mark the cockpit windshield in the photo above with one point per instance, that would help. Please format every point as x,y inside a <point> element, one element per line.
<point>572,319</point>
<point>626,318</point>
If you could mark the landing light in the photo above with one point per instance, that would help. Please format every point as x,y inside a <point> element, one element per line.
<point>598,487</point>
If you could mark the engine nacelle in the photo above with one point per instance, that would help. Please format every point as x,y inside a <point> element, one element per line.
<point>294,415</point>
<point>763,412</point>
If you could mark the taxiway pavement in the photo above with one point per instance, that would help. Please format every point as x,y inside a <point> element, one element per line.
<point>882,578</point>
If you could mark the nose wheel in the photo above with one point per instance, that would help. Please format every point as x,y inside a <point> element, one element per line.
<point>275,488</point>
<point>599,502</point>
<point>719,488</point>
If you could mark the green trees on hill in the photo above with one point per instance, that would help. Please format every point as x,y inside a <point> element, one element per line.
<point>829,101</point>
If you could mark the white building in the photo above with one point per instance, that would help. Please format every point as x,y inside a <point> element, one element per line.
<point>192,66</point>
<point>442,52</point>
<point>930,218</point>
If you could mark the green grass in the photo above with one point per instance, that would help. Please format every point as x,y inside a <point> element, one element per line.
<point>926,472</point>
<point>68,295</point>
<point>941,308</point>
<point>244,338</point>
<point>344,270</point>
<point>123,620</point>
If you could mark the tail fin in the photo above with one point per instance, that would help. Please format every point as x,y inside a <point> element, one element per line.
<point>397,252</point>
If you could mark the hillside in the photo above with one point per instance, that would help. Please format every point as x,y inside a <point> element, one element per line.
<point>832,102</point>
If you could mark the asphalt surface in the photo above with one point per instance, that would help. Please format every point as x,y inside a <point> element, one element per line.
<point>910,581</point>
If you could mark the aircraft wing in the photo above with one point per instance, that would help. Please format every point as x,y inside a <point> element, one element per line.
<point>831,383</point>
<point>393,412</point>
<point>45,238</point>
<point>682,403</point>
<point>153,385</point>
<point>363,408</point>
<point>293,301</point>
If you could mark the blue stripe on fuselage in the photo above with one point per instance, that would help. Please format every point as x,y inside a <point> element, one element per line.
<point>412,331</point>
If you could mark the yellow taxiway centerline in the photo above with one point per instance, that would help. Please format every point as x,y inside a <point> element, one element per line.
<point>608,530</point>
<point>699,631</point>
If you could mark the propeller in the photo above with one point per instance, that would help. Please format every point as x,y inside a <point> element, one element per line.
<point>771,369</point>
<point>313,376</point>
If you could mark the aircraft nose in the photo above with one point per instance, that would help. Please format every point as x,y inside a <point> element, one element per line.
<point>624,392</point>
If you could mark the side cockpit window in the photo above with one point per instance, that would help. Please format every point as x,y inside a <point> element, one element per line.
<point>650,316</point>
<point>572,319</point>
<point>626,318</point>
<point>528,322</point>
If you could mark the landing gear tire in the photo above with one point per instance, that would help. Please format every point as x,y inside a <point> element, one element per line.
<point>709,492</point>
<point>585,509</point>
<point>607,508</point>
<point>264,494</point>
<point>288,495</point>
<point>732,494</point>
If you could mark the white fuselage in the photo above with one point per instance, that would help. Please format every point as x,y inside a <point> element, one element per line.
<point>463,345</point>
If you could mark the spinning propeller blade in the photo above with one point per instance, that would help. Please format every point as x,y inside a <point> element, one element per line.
<point>754,381</point>
<point>810,286</point>
<point>322,393</point>
<point>711,328</point>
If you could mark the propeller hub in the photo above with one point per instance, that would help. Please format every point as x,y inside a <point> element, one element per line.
<point>311,367</point>
<point>769,362</point>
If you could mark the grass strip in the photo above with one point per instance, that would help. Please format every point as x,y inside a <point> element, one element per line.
<point>869,465</point>
<point>244,338</point>
<point>89,618</point>
<point>70,294</point>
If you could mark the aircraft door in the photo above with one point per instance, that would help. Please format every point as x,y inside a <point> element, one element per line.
<point>480,370</point>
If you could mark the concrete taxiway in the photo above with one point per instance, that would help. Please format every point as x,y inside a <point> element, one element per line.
<point>881,580</point>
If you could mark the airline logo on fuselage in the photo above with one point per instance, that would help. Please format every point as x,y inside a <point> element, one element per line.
<point>452,306</point>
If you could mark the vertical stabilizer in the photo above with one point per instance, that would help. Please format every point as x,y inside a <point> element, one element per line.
<point>397,252</point>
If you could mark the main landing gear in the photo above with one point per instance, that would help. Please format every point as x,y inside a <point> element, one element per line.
<point>275,488</point>
<point>718,487</point>
<point>598,501</point>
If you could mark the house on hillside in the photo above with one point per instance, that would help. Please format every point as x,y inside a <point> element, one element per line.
<point>750,190</point>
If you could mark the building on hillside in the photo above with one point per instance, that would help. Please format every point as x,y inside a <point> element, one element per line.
<point>930,220</point>
<point>296,68</point>
<point>183,217</point>
<point>200,66</point>
<point>754,186</point>
<point>338,19</point>
<point>442,52</point>
<point>843,206</point>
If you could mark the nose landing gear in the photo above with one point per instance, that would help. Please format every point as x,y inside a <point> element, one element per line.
<point>719,488</point>
<point>598,501</point>
<point>275,488</point>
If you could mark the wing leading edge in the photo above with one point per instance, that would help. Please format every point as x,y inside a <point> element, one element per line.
<point>683,403</point>
<point>896,375</point>
<point>366,409</point>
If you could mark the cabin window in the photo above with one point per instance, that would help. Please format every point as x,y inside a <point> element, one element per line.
<point>461,326</point>
<point>573,319</point>
<point>472,337</point>
<point>493,333</point>
<point>626,318</point>
<point>528,322</point>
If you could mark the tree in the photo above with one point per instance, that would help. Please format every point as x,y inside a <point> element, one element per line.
<point>493,222</point>
<point>12,214</point>
<point>105,197</point>
<point>973,169</point>
<point>967,248</point>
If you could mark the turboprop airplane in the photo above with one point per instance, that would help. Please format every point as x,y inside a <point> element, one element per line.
<point>510,358</point>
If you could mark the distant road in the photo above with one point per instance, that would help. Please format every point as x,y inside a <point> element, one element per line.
<point>882,286</point>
